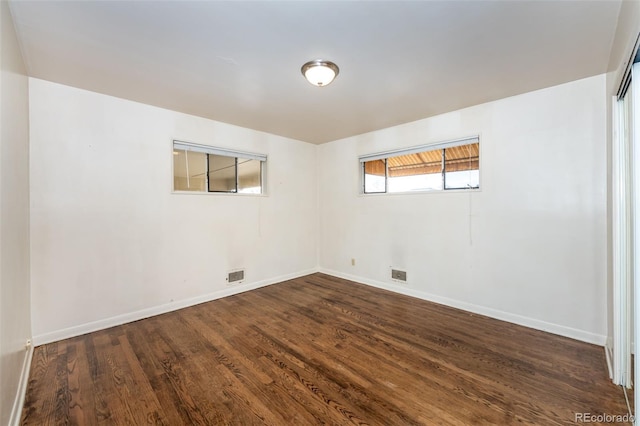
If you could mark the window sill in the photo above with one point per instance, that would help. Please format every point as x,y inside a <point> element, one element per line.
<point>223,194</point>
<point>437,191</point>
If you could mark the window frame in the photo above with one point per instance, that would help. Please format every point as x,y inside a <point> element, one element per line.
<point>223,152</point>
<point>441,146</point>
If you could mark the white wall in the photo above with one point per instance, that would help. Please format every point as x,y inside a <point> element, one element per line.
<point>530,247</point>
<point>111,243</point>
<point>15,320</point>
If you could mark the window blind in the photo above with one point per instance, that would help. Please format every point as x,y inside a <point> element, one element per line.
<point>417,149</point>
<point>187,146</point>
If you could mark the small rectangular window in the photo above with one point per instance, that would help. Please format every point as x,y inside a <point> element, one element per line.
<point>442,166</point>
<point>201,168</point>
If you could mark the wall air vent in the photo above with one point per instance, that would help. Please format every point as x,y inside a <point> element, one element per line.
<point>398,275</point>
<point>236,276</point>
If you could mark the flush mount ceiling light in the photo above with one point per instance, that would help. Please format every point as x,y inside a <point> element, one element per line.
<point>320,73</point>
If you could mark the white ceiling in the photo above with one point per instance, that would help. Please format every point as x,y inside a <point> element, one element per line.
<point>239,62</point>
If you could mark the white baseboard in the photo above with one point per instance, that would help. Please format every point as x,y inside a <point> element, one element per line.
<point>18,403</point>
<point>90,327</point>
<point>560,330</point>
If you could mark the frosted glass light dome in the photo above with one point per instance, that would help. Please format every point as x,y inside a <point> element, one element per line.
<point>320,73</point>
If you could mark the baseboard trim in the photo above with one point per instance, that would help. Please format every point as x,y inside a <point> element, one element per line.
<point>572,333</point>
<point>560,330</point>
<point>18,403</point>
<point>90,327</point>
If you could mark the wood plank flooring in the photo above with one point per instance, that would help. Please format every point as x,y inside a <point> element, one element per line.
<point>318,350</point>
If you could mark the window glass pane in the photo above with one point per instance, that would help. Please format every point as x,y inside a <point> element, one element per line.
<point>222,173</point>
<point>415,172</point>
<point>189,170</point>
<point>446,165</point>
<point>374,176</point>
<point>249,176</point>
<point>462,166</point>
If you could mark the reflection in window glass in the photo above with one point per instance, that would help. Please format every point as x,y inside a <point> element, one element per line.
<point>222,173</point>
<point>249,176</point>
<point>189,170</point>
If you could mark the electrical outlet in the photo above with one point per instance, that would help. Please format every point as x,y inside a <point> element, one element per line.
<point>353,262</point>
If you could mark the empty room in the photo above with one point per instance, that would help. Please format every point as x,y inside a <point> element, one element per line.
<point>319,212</point>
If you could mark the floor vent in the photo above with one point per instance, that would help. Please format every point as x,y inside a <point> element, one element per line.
<point>235,276</point>
<point>398,275</point>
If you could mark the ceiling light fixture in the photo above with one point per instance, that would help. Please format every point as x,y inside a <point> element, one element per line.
<point>320,73</point>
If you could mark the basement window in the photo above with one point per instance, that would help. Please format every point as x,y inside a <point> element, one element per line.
<point>434,167</point>
<point>203,168</point>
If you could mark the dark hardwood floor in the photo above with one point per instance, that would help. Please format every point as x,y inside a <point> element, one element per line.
<point>318,350</point>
